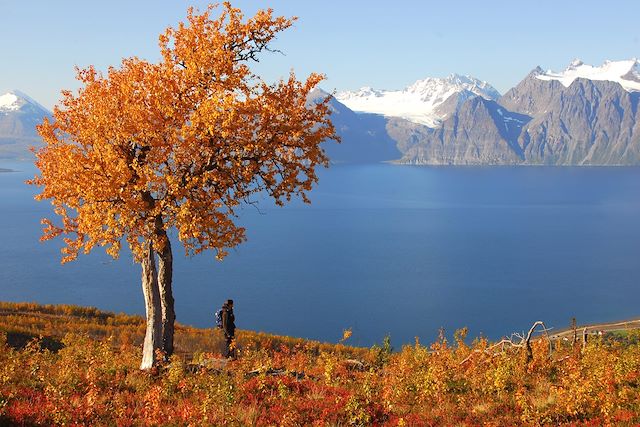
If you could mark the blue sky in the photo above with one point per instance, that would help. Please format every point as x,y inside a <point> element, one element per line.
<point>383,44</point>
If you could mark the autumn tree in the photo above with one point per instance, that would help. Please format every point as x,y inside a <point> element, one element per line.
<point>148,148</point>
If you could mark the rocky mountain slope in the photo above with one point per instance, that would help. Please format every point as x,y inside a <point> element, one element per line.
<point>579,121</point>
<point>480,132</point>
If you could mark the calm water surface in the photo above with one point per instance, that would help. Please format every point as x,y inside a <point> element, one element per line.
<point>382,249</point>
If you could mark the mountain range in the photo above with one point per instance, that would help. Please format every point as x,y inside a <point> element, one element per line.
<point>583,115</point>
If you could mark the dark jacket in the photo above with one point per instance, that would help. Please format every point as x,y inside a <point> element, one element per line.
<point>228,321</point>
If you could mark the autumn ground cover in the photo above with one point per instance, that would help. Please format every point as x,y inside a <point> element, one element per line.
<point>66,365</point>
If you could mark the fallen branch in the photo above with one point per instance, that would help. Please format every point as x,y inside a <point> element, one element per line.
<point>515,341</point>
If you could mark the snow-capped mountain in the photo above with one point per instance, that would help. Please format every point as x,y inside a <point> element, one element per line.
<point>426,102</point>
<point>626,73</point>
<point>584,115</point>
<point>19,115</point>
<point>20,101</point>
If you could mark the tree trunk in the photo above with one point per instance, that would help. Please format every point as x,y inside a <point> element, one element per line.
<point>153,336</point>
<point>165,276</point>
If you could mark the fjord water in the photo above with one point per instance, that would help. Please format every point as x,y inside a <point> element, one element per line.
<point>382,249</point>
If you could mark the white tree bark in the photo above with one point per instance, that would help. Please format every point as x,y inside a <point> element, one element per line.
<point>150,289</point>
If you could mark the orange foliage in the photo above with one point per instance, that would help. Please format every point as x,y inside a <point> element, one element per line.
<point>285,381</point>
<point>180,143</point>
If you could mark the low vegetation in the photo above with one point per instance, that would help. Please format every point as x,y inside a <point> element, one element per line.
<point>66,365</point>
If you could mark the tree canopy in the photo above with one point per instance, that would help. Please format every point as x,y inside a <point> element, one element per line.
<point>180,143</point>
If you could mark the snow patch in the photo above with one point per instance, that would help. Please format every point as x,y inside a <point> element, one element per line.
<point>513,119</point>
<point>626,73</point>
<point>9,102</point>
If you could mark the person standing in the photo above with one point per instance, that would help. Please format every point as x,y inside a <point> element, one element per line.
<point>229,329</point>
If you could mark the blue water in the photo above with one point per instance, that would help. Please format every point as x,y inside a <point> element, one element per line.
<point>383,249</point>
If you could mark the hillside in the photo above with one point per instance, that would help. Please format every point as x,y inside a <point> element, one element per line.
<point>84,371</point>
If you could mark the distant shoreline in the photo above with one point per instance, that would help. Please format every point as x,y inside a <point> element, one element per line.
<point>6,170</point>
<point>399,162</point>
<point>594,328</point>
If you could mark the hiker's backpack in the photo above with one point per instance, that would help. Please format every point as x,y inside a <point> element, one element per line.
<point>219,318</point>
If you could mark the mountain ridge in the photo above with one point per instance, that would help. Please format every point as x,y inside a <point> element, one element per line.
<point>584,115</point>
